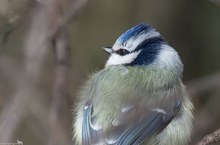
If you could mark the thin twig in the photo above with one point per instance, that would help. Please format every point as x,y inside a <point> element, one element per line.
<point>209,139</point>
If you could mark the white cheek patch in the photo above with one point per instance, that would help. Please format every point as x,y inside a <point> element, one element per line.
<point>116,59</point>
<point>132,43</point>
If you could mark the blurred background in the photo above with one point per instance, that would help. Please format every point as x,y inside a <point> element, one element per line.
<point>49,47</point>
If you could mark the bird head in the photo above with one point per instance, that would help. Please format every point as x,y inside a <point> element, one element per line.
<point>142,45</point>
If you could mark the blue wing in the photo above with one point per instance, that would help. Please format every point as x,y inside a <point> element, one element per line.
<point>153,124</point>
<point>91,135</point>
<point>134,134</point>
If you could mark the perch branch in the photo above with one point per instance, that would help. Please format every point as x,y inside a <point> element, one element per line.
<point>209,139</point>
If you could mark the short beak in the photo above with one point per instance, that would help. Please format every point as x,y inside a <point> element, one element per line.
<point>109,50</point>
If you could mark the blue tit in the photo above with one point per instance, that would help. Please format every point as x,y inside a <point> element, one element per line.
<point>138,98</point>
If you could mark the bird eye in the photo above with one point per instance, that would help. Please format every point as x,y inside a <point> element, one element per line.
<point>122,52</point>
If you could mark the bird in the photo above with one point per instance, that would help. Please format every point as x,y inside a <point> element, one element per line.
<point>138,98</point>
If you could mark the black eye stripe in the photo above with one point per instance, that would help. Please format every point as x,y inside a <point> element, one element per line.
<point>148,43</point>
<point>122,52</point>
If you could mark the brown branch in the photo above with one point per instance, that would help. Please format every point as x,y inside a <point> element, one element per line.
<point>43,29</point>
<point>58,132</point>
<point>61,97</point>
<point>35,52</point>
<point>209,139</point>
<point>12,15</point>
<point>75,7</point>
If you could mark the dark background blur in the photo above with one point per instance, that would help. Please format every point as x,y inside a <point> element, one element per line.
<point>38,87</point>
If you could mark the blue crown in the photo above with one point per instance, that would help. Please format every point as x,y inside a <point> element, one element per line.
<point>134,32</point>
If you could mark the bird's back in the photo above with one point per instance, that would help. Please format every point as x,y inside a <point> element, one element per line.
<point>130,99</point>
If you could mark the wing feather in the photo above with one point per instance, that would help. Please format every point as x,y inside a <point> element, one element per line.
<point>141,131</point>
<point>91,132</point>
<point>135,134</point>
